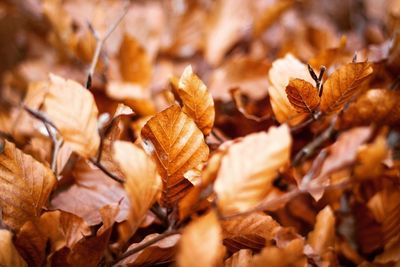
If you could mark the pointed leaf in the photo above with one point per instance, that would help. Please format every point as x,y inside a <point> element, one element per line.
<point>197,101</point>
<point>73,110</point>
<point>25,185</point>
<point>302,95</point>
<point>249,168</point>
<point>193,251</point>
<point>343,84</point>
<point>177,145</point>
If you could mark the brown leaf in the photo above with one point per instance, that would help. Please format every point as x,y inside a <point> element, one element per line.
<point>237,99</point>
<point>343,84</point>
<point>134,63</point>
<point>302,95</point>
<point>322,238</point>
<point>142,184</point>
<point>25,186</point>
<point>193,251</point>
<point>197,101</point>
<point>9,256</point>
<point>242,258</point>
<point>248,232</point>
<point>177,145</point>
<point>73,110</point>
<point>160,252</point>
<point>280,74</point>
<point>245,179</point>
<point>95,190</point>
<point>289,256</point>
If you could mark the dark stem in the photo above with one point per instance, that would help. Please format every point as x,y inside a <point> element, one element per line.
<point>107,172</point>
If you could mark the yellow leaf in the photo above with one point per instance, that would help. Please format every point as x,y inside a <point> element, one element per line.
<point>73,110</point>
<point>249,167</point>
<point>302,95</point>
<point>343,84</point>
<point>25,185</point>
<point>280,74</point>
<point>201,243</point>
<point>142,180</point>
<point>177,145</point>
<point>197,101</point>
<point>9,256</point>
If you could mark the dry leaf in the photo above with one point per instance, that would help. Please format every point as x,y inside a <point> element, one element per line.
<point>177,145</point>
<point>251,231</point>
<point>249,167</point>
<point>280,74</point>
<point>134,63</point>
<point>322,238</point>
<point>161,252</point>
<point>343,84</point>
<point>73,110</point>
<point>197,101</point>
<point>193,251</point>
<point>242,258</point>
<point>25,186</point>
<point>302,95</point>
<point>9,256</point>
<point>142,184</point>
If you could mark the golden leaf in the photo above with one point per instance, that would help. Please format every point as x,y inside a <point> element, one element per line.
<point>197,101</point>
<point>142,180</point>
<point>249,167</point>
<point>322,238</point>
<point>343,84</point>
<point>9,256</point>
<point>242,258</point>
<point>73,110</point>
<point>280,74</point>
<point>25,186</point>
<point>177,145</point>
<point>302,95</point>
<point>193,251</point>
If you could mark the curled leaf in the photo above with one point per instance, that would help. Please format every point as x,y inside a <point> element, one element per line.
<point>302,95</point>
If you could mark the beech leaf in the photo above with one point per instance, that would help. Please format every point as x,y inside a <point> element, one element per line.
<point>9,256</point>
<point>302,95</point>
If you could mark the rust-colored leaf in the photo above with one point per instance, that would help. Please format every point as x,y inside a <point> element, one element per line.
<point>245,179</point>
<point>302,95</point>
<point>193,252</point>
<point>73,110</point>
<point>197,101</point>
<point>343,84</point>
<point>9,256</point>
<point>177,145</point>
<point>242,258</point>
<point>25,186</point>
<point>142,184</point>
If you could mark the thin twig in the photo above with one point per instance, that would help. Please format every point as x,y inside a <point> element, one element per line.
<point>161,215</point>
<point>217,136</point>
<point>100,41</point>
<point>106,172</point>
<point>40,116</point>
<point>145,245</point>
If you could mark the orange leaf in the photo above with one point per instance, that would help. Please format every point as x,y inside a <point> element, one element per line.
<point>197,101</point>
<point>280,74</point>
<point>9,256</point>
<point>25,186</point>
<point>193,251</point>
<point>177,145</point>
<point>142,180</point>
<point>241,258</point>
<point>343,84</point>
<point>249,167</point>
<point>302,95</point>
<point>73,110</point>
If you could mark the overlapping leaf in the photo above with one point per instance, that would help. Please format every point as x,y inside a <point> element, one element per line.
<point>177,145</point>
<point>25,186</point>
<point>9,255</point>
<point>302,95</point>
<point>243,179</point>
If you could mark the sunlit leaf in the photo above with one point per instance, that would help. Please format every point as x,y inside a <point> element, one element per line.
<point>9,256</point>
<point>302,95</point>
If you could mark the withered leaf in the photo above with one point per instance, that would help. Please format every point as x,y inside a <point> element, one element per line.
<point>251,231</point>
<point>302,95</point>
<point>142,184</point>
<point>177,145</point>
<point>192,251</point>
<point>73,110</point>
<point>343,84</point>
<point>25,186</point>
<point>242,258</point>
<point>249,167</point>
<point>9,256</point>
<point>197,101</point>
<point>322,238</point>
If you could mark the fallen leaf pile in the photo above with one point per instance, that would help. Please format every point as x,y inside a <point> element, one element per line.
<point>200,133</point>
